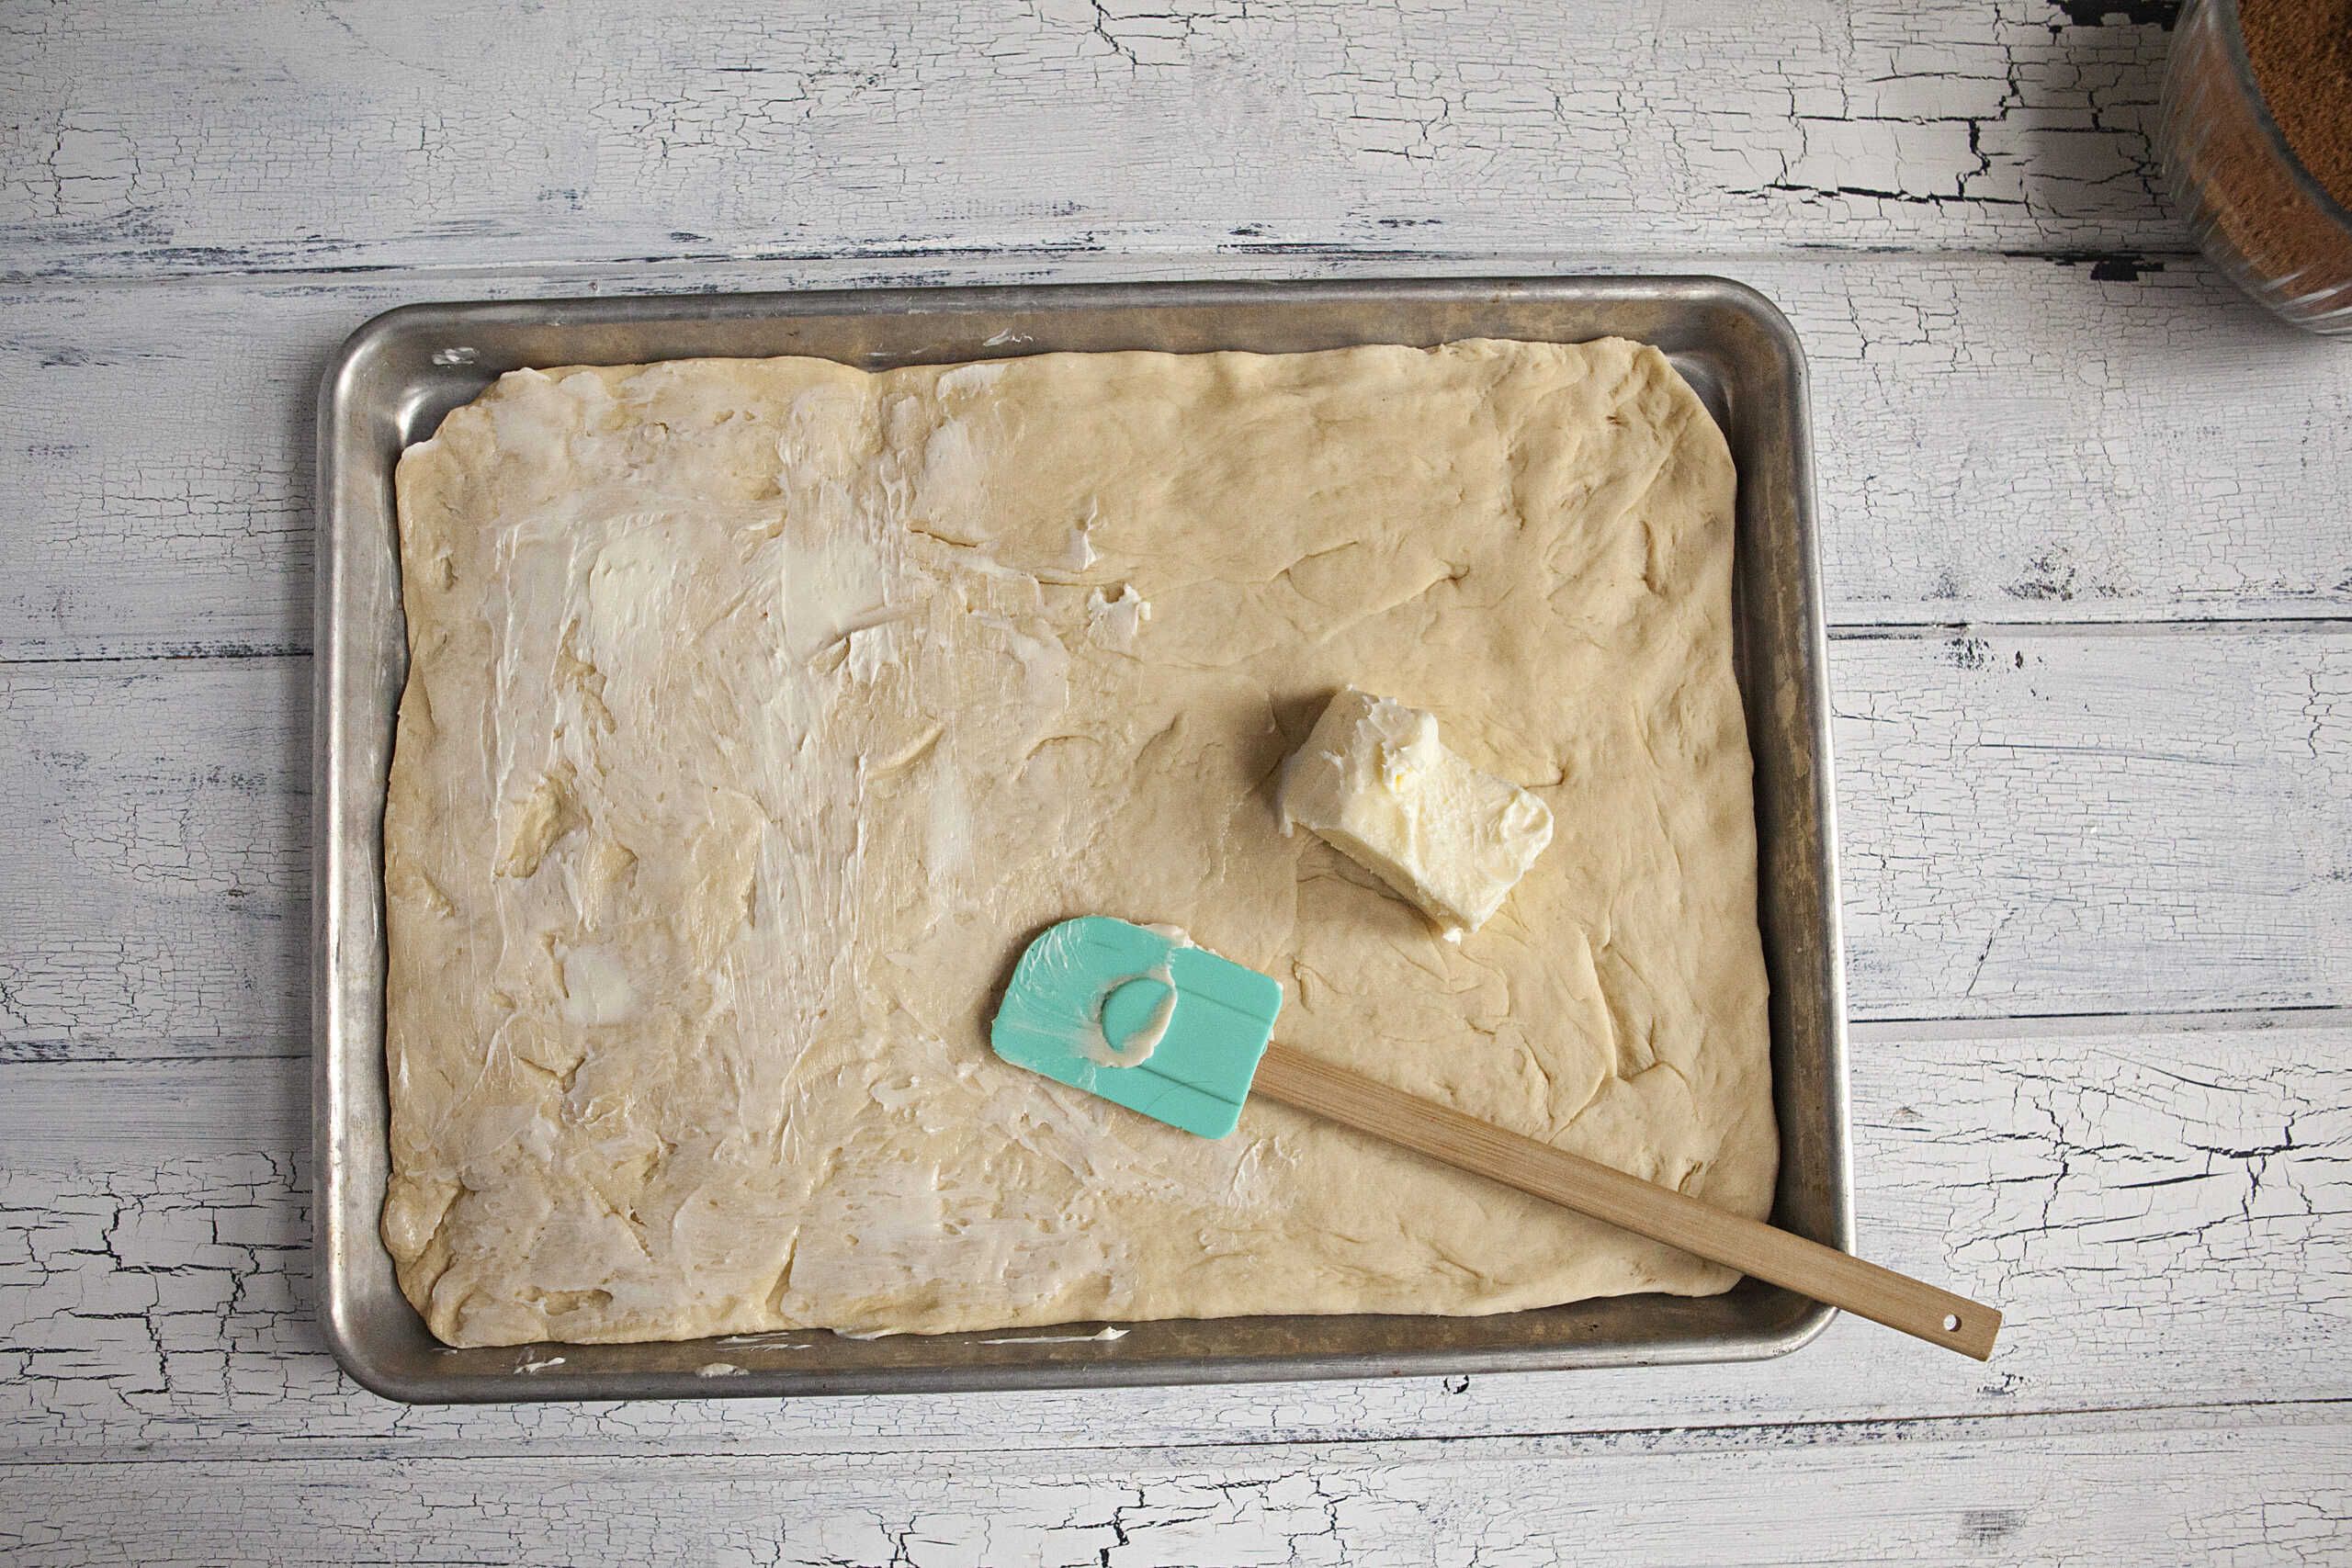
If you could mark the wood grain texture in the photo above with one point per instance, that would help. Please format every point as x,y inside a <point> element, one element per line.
<point>2242,1489</point>
<point>234,134</point>
<point>154,846</point>
<point>2033,822</point>
<point>2164,1214</point>
<point>2072,822</point>
<point>1998,439</point>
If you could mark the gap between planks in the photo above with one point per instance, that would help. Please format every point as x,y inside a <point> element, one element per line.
<point>2091,1025</point>
<point>877,266</point>
<point>2329,619</point>
<point>2087,1421</point>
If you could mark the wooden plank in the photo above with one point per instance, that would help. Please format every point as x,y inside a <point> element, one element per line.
<point>155,850</point>
<point>227,134</point>
<point>2161,1212</point>
<point>2070,822</point>
<point>2247,1490</point>
<point>1998,438</point>
<point>2032,823</point>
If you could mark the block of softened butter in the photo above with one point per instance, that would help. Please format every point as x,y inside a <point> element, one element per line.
<point>1377,783</point>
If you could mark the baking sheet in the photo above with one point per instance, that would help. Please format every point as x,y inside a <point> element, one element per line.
<point>394,380</point>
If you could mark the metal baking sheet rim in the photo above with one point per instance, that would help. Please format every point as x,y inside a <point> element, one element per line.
<point>395,378</point>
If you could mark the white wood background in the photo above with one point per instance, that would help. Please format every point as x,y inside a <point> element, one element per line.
<point>2089,554</point>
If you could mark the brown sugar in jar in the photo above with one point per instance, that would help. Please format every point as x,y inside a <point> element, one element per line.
<point>2257,136</point>
<point>2302,55</point>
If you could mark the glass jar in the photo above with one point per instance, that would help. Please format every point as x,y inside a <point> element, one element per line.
<point>2257,211</point>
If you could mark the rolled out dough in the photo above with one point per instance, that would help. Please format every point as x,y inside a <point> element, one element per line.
<point>760,711</point>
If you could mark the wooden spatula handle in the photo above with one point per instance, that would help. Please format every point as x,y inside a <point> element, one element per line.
<point>1590,1187</point>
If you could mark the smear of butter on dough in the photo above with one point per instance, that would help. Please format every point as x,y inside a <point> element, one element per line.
<point>1116,622</point>
<point>596,986</point>
<point>1099,1334</point>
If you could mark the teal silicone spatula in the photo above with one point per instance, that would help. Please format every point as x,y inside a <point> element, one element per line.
<point>1141,1017</point>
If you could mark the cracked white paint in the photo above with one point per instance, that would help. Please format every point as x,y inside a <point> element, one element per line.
<point>325,135</point>
<point>154,834</point>
<point>2037,822</point>
<point>2205,1489</point>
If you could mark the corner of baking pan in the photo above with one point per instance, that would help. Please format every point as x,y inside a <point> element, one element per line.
<point>359,1357</point>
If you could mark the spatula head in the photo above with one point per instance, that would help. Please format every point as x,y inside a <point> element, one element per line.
<point>1089,992</point>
